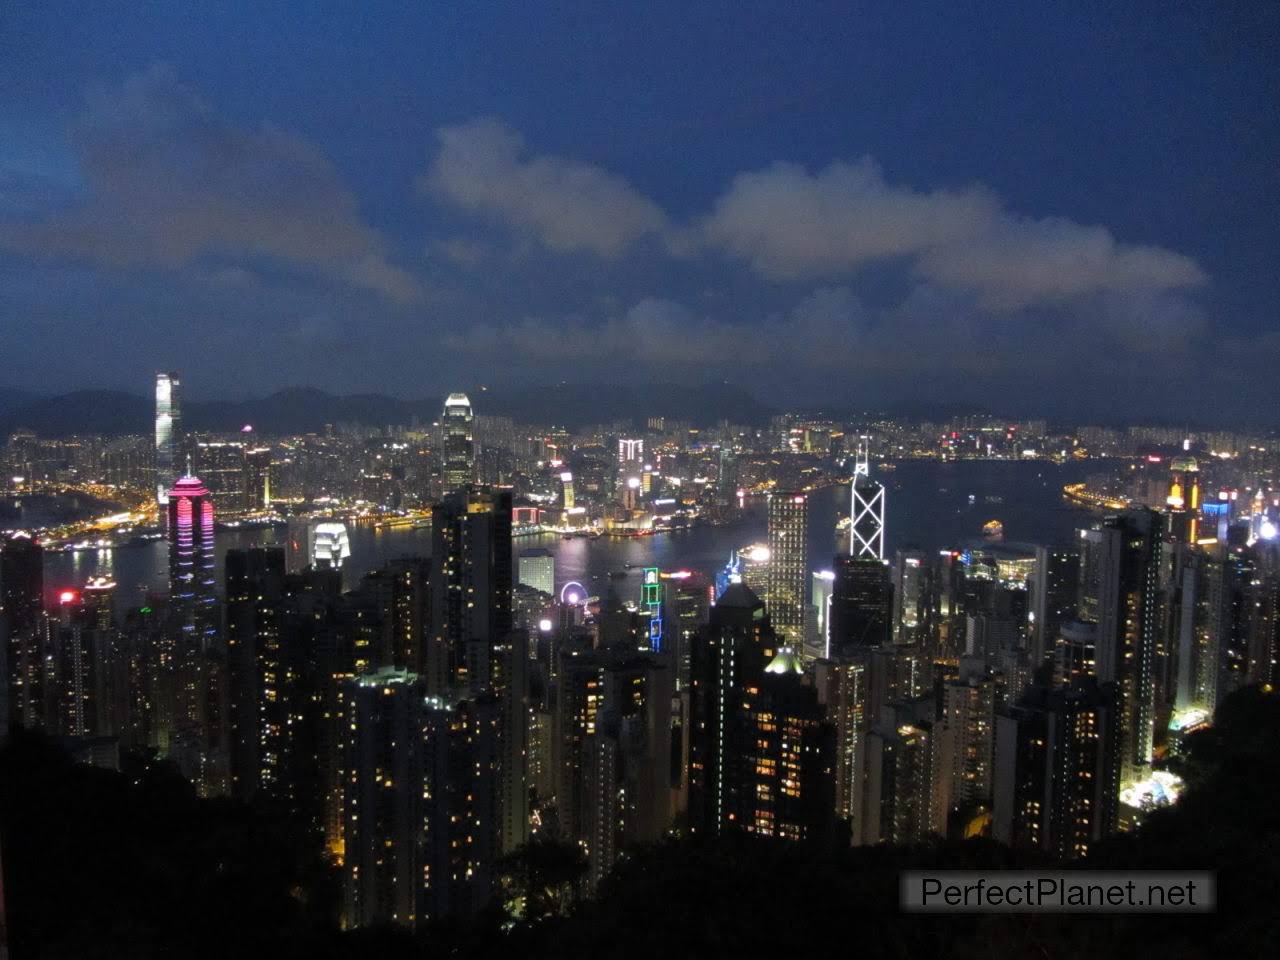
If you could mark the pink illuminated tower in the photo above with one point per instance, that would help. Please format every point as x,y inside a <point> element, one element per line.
<point>192,580</point>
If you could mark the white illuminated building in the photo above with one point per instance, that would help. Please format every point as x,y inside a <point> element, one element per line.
<point>866,512</point>
<point>168,434</point>
<point>329,544</point>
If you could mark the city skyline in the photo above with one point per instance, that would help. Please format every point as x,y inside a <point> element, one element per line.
<point>832,235</point>
<point>694,479</point>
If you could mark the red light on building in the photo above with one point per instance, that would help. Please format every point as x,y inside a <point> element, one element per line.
<point>67,596</point>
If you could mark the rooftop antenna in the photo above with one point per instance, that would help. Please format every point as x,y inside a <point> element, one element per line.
<point>862,459</point>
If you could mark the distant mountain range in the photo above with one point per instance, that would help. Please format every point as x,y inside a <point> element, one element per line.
<point>306,409</point>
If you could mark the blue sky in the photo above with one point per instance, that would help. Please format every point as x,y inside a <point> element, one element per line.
<point>1062,208</point>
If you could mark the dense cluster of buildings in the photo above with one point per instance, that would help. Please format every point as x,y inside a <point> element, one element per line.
<point>431,717</point>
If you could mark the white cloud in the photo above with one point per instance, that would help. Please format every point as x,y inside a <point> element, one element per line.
<point>568,206</point>
<point>791,224</point>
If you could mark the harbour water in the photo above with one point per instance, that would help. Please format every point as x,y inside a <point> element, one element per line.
<point>930,505</point>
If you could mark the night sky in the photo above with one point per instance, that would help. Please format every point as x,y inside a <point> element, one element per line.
<point>1061,208</point>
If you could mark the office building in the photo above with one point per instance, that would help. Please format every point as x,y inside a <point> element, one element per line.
<point>866,510</point>
<point>861,604</point>
<point>169,436</point>
<point>1055,588</point>
<point>22,629</point>
<point>471,586</point>
<point>788,573</point>
<point>330,545</point>
<point>457,443</point>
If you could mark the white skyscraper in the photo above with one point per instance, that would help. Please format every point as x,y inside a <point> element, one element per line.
<point>866,512</point>
<point>459,452</point>
<point>168,434</point>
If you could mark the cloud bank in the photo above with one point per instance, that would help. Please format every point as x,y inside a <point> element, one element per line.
<point>570,207</point>
<point>169,182</point>
<point>790,224</point>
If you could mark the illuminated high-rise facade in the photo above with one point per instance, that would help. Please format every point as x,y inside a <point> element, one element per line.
<point>630,453</point>
<point>330,545</point>
<point>458,443</point>
<point>194,721</point>
<point>538,570</point>
<point>1055,772</point>
<point>866,511</point>
<point>168,434</point>
<point>786,595</point>
<point>383,799</point>
<point>762,756</point>
<point>471,584</point>
<point>1183,501</point>
<point>192,578</point>
<point>1121,592</point>
<point>22,629</point>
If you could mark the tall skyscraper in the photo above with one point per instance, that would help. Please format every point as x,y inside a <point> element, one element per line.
<point>258,674</point>
<point>195,706</point>
<point>458,452</point>
<point>384,799</point>
<point>861,605</point>
<point>613,736</point>
<point>168,434</point>
<point>1121,592</point>
<point>1183,501</point>
<point>1056,775</point>
<point>912,597</point>
<point>192,578</point>
<point>898,805</point>
<point>728,655</point>
<point>866,510</point>
<point>762,755</point>
<point>966,740</point>
<point>471,587</point>
<point>1055,587</point>
<point>22,629</point>
<point>786,595</point>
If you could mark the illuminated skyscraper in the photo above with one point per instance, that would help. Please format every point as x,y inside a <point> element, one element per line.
<point>258,699</point>
<point>192,581</point>
<point>630,454</point>
<point>1055,587</point>
<point>538,570</point>
<point>195,711</point>
<point>819,636</point>
<point>786,595</point>
<point>330,545</point>
<point>1121,592</point>
<point>22,628</point>
<point>383,799</point>
<point>1183,501</point>
<point>471,585</point>
<point>168,434</point>
<point>911,597</point>
<point>1056,778</point>
<point>566,490</point>
<point>458,458</point>
<point>866,512</point>
<point>257,478</point>
<point>762,758</point>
